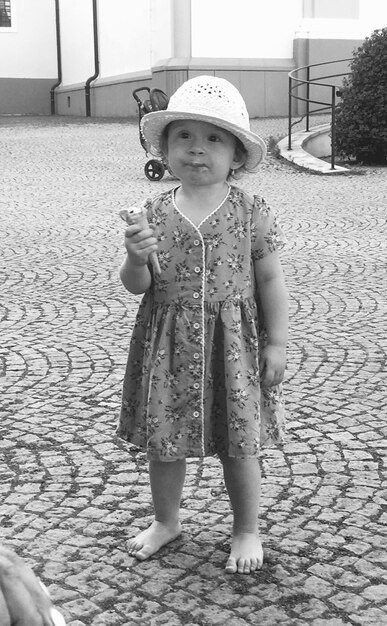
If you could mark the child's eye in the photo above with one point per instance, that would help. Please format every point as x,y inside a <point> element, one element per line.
<point>214,138</point>
<point>184,134</point>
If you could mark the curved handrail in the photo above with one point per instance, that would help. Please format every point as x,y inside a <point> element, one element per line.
<point>295,82</point>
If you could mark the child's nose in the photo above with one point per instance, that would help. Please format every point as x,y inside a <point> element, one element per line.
<point>196,146</point>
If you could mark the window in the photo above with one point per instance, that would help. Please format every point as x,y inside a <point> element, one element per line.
<point>5,14</point>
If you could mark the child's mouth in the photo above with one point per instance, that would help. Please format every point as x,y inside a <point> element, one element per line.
<point>196,165</point>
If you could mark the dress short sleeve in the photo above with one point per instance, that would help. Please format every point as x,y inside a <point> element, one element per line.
<point>155,209</point>
<point>266,233</point>
<point>148,206</point>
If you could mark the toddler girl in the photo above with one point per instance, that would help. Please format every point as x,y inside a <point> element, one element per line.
<point>208,349</point>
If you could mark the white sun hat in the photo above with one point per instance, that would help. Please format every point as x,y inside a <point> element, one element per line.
<point>208,99</point>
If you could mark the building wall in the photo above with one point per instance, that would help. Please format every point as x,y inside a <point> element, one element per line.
<point>178,39</point>
<point>256,30</point>
<point>77,43</point>
<point>25,96</point>
<point>161,43</point>
<point>181,44</point>
<point>28,65</point>
<point>132,37</point>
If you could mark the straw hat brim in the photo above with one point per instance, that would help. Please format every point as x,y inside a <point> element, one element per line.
<point>153,125</point>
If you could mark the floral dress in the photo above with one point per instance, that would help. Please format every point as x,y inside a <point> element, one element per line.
<point>192,385</point>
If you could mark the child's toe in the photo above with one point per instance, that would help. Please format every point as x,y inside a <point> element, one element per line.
<point>132,547</point>
<point>231,566</point>
<point>244,566</point>
<point>255,564</point>
<point>144,553</point>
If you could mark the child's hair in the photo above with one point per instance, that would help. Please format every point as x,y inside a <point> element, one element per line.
<point>240,152</point>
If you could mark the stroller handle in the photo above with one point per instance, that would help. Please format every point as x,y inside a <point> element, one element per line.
<point>136,91</point>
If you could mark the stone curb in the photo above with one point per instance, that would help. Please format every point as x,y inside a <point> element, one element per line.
<point>299,155</point>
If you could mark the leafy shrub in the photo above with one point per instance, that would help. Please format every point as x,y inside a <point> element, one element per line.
<point>361,119</point>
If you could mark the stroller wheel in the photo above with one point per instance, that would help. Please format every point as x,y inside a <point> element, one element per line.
<point>154,170</point>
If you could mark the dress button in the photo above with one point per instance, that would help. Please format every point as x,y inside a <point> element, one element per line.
<point>196,326</point>
<point>196,413</point>
<point>197,269</point>
<point>196,295</point>
<point>196,356</point>
<point>196,386</point>
<point>196,242</point>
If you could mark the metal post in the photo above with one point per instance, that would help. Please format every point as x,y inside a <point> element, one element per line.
<point>290,115</point>
<point>58,56</point>
<point>96,59</point>
<point>333,128</point>
<point>307,98</point>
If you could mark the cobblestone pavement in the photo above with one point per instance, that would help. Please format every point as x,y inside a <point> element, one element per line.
<point>71,494</point>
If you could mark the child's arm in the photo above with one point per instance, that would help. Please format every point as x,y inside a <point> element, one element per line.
<point>134,272</point>
<point>274,301</point>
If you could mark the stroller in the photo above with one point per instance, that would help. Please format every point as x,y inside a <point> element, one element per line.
<point>156,100</point>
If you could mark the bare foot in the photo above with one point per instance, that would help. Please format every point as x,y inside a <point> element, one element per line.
<point>152,539</point>
<point>246,554</point>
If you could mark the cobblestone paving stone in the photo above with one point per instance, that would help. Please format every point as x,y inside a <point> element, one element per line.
<point>71,494</point>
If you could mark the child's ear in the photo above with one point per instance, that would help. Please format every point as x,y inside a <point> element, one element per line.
<point>238,161</point>
<point>240,156</point>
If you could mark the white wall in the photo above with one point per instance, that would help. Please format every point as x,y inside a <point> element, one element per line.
<point>373,15</point>
<point>77,42</point>
<point>244,28</point>
<point>29,49</point>
<point>133,36</point>
<point>161,20</point>
<point>124,36</point>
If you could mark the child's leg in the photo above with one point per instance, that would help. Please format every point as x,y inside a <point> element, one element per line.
<point>243,482</point>
<point>167,480</point>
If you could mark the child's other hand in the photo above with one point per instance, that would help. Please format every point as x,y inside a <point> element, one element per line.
<point>272,365</point>
<point>139,244</point>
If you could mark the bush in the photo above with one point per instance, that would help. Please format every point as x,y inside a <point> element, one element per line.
<point>361,119</point>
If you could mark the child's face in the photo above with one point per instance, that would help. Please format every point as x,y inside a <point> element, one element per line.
<point>200,153</point>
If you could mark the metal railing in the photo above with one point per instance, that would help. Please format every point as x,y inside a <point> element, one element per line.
<point>308,82</point>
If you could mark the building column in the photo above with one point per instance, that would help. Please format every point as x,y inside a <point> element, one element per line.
<point>182,29</point>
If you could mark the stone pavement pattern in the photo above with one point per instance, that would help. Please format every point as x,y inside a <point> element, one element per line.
<point>71,493</point>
